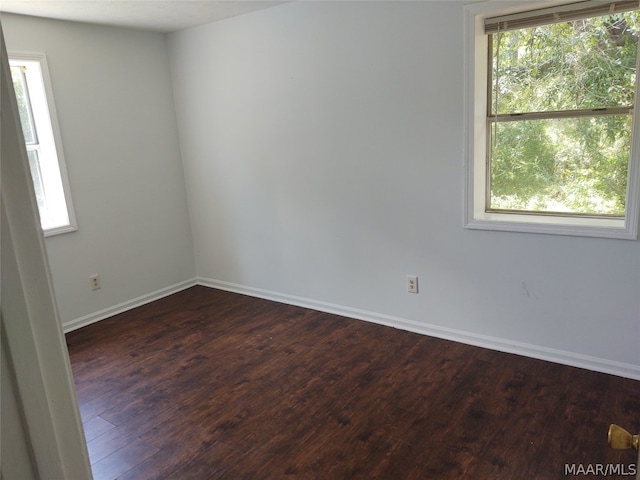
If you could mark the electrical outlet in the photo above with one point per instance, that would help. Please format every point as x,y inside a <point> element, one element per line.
<point>412,284</point>
<point>95,281</point>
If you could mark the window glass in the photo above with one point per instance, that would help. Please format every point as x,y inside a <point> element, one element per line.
<point>583,64</point>
<point>560,116</point>
<point>24,104</point>
<point>566,165</point>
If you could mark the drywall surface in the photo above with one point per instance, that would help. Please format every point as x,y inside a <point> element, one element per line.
<point>323,154</point>
<point>117,120</point>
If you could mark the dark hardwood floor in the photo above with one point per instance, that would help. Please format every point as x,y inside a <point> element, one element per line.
<point>206,384</point>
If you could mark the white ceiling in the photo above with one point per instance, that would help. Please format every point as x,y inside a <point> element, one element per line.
<point>156,15</point>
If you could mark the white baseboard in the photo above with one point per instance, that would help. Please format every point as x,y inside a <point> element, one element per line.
<point>123,307</point>
<point>626,370</point>
<point>602,365</point>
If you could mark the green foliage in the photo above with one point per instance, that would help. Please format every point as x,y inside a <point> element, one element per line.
<point>577,164</point>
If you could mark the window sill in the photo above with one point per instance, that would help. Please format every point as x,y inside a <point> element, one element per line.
<point>617,228</point>
<point>60,230</point>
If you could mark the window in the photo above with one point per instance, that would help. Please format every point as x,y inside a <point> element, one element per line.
<point>551,141</point>
<point>44,148</point>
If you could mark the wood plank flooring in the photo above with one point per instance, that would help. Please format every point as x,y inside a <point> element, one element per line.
<point>206,384</point>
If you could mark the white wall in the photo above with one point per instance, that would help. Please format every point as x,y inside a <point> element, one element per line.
<point>322,147</point>
<point>117,119</point>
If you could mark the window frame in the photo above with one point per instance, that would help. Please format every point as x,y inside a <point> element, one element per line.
<point>49,109</point>
<point>476,215</point>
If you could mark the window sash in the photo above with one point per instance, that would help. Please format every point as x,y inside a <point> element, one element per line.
<point>28,122</point>
<point>593,112</point>
<point>546,114</point>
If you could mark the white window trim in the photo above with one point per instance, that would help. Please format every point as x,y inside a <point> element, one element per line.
<point>475,216</point>
<point>57,138</point>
